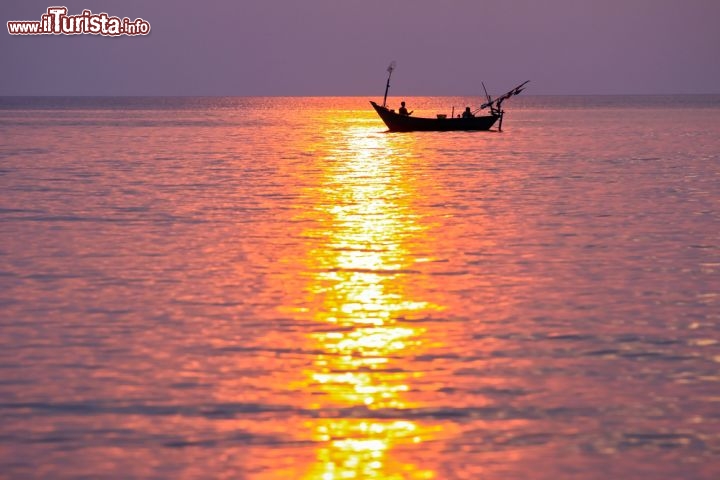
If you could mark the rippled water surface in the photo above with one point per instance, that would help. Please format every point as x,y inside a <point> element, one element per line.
<point>277,288</point>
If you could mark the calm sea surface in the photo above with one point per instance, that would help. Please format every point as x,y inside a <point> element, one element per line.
<point>275,288</point>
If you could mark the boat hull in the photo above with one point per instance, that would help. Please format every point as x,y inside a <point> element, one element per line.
<point>405,123</point>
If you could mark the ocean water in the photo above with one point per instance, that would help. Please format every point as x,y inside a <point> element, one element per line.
<point>276,288</point>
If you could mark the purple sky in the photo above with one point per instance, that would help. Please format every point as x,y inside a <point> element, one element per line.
<point>342,47</point>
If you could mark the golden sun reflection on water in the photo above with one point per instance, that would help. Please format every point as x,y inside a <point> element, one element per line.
<point>359,278</point>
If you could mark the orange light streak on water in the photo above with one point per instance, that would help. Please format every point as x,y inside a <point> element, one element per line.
<point>360,277</point>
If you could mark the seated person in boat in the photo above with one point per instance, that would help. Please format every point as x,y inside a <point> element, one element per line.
<point>467,113</point>
<point>403,111</point>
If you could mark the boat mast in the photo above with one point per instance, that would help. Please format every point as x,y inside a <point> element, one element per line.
<point>390,69</point>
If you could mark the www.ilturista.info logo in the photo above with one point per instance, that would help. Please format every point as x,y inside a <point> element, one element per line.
<point>57,22</point>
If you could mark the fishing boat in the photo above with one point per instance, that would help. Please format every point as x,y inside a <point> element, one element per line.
<point>468,121</point>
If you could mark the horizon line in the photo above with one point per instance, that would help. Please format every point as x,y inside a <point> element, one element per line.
<point>348,96</point>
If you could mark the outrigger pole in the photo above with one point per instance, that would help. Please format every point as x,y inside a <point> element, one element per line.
<point>390,69</point>
<point>496,105</point>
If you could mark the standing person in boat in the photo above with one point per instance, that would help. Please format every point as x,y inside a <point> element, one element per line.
<point>467,113</point>
<point>403,111</point>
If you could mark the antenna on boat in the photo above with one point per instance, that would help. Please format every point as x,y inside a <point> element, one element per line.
<point>390,69</point>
